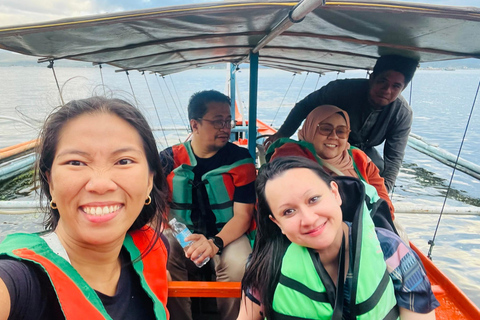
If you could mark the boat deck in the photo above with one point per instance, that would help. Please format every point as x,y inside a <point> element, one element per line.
<point>454,304</point>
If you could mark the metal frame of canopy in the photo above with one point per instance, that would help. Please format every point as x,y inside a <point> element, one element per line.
<point>336,36</point>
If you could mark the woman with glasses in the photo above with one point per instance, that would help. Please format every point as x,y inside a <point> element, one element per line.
<point>324,138</point>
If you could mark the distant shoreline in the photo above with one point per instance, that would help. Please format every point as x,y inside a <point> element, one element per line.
<point>78,64</point>
<point>10,59</point>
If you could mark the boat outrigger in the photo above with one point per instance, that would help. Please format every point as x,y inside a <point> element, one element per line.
<point>314,36</point>
<point>16,159</point>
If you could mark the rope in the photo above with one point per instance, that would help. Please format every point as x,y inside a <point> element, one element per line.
<point>101,76</point>
<point>432,241</point>
<point>131,88</point>
<point>411,90</point>
<point>281,103</point>
<point>318,80</point>
<point>168,109</point>
<point>50,66</point>
<point>155,107</point>
<point>182,116</point>
<point>171,116</point>
<point>301,88</point>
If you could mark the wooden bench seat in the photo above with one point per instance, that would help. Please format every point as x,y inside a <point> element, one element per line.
<point>210,289</point>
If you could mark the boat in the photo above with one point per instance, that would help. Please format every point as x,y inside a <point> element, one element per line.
<point>315,36</point>
<point>445,157</point>
<point>16,159</point>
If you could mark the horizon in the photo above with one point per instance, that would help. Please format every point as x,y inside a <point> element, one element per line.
<point>13,59</point>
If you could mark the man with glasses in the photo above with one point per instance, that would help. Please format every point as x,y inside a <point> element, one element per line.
<point>378,113</point>
<point>211,191</point>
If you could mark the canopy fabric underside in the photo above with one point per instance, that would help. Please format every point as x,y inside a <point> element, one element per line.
<point>338,36</point>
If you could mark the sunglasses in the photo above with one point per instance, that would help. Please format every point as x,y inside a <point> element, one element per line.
<point>327,129</point>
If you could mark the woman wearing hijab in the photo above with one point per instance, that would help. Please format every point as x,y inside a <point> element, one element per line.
<point>324,138</point>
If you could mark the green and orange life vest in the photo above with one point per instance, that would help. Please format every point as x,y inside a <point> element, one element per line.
<point>220,184</point>
<point>76,298</point>
<point>306,149</point>
<point>302,291</point>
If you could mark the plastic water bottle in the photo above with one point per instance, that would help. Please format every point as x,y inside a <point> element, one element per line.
<point>180,231</point>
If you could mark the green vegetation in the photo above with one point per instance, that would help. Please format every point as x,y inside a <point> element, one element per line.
<point>428,179</point>
<point>17,187</point>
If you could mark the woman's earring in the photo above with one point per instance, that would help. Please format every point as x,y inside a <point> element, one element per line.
<point>53,205</point>
<point>148,201</point>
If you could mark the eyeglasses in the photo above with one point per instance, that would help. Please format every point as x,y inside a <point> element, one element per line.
<point>219,124</point>
<point>327,129</point>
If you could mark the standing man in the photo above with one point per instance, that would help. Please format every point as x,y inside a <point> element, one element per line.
<point>376,109</point>
<point>211,191</point>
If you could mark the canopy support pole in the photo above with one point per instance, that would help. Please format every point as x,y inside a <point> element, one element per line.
<point>294,16</point>
<point>252,103</point>
<point>50,66</point>
<point>232,96</point>
<point>232,90</point>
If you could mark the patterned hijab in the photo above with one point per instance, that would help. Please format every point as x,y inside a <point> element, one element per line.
<point>343,163</point>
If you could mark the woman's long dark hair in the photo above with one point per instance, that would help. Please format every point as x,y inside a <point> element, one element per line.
<point>155,212</point>
<point>263,271</point>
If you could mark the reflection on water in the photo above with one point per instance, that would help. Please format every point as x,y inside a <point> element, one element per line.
<point>457,247</point>
<point>12,223</point>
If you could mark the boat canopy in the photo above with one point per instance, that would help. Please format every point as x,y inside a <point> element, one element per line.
<point>335,36</point>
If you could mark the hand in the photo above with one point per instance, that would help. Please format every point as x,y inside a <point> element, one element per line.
<point>272,139</point>
<point>201,248</point>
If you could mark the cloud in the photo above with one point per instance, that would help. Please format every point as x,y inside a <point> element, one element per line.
<point>16,12</point>
<point>29,11</point>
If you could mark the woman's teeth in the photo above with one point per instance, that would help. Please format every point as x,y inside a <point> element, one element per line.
<point>100,211</point>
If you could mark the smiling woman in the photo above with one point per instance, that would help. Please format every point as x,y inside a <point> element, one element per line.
<point>324,138</point>
<point>100,171</point>
<point>309,264</point>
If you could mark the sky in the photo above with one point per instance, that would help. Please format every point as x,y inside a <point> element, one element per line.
<point>16,12</point>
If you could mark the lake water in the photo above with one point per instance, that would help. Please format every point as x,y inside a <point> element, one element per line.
<point>441,101</point>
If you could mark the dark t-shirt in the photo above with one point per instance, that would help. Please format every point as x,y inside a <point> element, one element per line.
<point>202,216</point>
<point>32,296</point>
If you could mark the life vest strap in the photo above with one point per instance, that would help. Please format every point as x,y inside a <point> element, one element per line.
<point>371,302</point>
<point>220,206</point>
<point>300,287</point>
<point>180,206</point>
<point>394,314</point>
